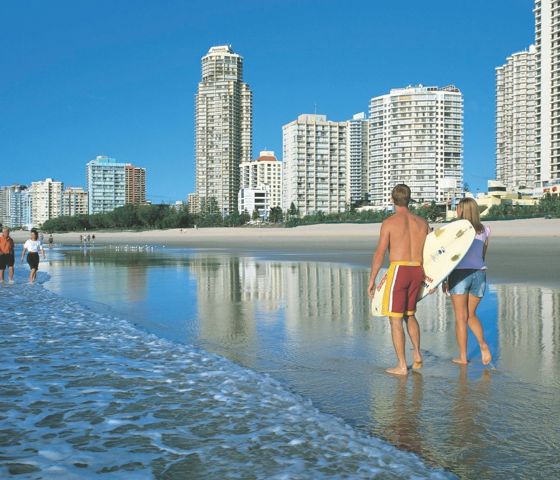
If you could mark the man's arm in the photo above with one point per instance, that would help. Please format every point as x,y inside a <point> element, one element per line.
<point>378,256</point>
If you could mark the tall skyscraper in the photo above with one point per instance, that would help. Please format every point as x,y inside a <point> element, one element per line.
<point>416,137</point>
<point>74,202</point>
<point>315,165</point>
<point>264,173</point>
<point>224,126</point>
<point>46,201</point>
<point>547,31</point>
<point>516,118</point>
<point>135,185</point>
<point>357,158</point>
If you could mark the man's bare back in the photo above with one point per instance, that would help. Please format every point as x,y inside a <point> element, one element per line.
<point>407,233</point>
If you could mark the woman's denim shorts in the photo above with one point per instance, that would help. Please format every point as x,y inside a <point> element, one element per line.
<point>465,281</point>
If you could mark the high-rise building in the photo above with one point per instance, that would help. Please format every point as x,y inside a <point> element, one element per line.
<point>15,206</point>
<point>547,31</point>
<point>224,113</point>
<point>416,137</point>
<point>357,158</point>
<point>315,165</point>
<point>264,173</point>
<point>516,110</point>
<point>135,185</point>
<point>46,201</point>
<point>193,203</point>
<point>106,184</point>
<point>112,184</point>
<point>74,202</point>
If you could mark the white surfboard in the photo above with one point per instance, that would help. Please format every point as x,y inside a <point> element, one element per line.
<point>445,247</point>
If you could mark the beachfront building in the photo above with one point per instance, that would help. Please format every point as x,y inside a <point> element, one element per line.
<point>251,199</point>
<point>264,173</point>
<point>416,137</point>
<point>112,184</point>
<point>547,31</point>
<point>357,155</point>
<point>106,184</point>
<point>46,201</point>
<point>224,118</point>
<point>193,203</point>
<point>15,206</point>
<point>516,117</point>
<point>74,201</point>
<point>315,165</point>
<point>135,185</point>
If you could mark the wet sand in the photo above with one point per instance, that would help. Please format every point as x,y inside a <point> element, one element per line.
<point>521,251</point>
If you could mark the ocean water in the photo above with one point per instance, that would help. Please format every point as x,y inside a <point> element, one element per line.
<point>303,327</point>
<point>85,394</point>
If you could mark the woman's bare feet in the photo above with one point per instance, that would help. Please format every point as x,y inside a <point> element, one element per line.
<point>486,355</point>
<point>397,371</point>
<point>460,361</point>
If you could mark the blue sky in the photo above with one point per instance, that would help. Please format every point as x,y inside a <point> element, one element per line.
<point>82,78</point>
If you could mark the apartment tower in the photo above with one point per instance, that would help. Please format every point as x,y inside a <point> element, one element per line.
<point>264,173</point>
<point>416,137</point>
<point>106,184</point>
<point>315,165</point>
<point>46,201</point>
<point>357,156</point>
<point>547,43</point>
<point>516,117</point>
<point>135,185</point>
<point>74,202</point>
<point>224,125</point>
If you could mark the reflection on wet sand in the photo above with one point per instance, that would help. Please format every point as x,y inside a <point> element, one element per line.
<point>307,324</point>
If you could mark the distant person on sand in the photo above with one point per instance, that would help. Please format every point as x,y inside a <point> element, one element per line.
<point>51,240</point>
<point>403,234</point>
<point>93,239</point>
<point>33,246</point>
<point>6,255</point>
<point>467,284</point>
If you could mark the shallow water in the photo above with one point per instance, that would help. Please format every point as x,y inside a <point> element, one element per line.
<point>306,325</point>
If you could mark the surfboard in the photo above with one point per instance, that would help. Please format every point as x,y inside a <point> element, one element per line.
<point>445,247</point>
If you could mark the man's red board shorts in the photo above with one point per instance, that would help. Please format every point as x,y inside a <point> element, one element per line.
<point>404,280</point>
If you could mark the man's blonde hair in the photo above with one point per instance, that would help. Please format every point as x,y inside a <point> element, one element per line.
<point>471,213</point>
<point>401,195</point>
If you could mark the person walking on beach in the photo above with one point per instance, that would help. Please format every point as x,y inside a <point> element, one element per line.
<point>403,234</point>
<point>467,284</point>
<point>33,246</point>
<point>51,240</point>
<point>6,255</point>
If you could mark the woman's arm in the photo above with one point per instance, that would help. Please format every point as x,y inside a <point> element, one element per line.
<point>23,252</point>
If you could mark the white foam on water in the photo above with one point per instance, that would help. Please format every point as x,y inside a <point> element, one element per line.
<point>84,395</point>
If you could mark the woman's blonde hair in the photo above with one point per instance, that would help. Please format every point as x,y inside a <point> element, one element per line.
<point>470,212</point>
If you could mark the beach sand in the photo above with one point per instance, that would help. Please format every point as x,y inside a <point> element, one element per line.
<point>534,243</point>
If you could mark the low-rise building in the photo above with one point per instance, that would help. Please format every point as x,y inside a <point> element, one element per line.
<point>251,199</point>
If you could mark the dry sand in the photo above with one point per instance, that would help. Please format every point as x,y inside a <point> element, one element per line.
<point>524,251</point>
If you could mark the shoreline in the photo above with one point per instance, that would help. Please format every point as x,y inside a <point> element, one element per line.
<point>520,251</point>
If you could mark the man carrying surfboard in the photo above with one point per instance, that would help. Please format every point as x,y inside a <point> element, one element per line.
<point>403,234</point>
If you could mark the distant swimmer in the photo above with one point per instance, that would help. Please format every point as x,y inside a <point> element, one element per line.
<point>403,234</point>
<point>6,255</point>
<point>33,246</point>
<point>467,284</point>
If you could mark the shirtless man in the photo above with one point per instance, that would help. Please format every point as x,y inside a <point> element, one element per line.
<point>403,234</point>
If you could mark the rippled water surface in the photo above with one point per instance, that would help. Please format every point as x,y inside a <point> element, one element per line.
<point>85,392</point>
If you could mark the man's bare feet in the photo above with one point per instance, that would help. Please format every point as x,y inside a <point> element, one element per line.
<point>418,361</point>
<point>397,371</point>
<point>486,355</point>
<point>460,361</point>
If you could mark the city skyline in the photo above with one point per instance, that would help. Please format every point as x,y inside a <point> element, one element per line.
<point>150,120</point>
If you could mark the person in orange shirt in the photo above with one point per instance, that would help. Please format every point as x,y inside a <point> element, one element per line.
<point>7,258</point>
